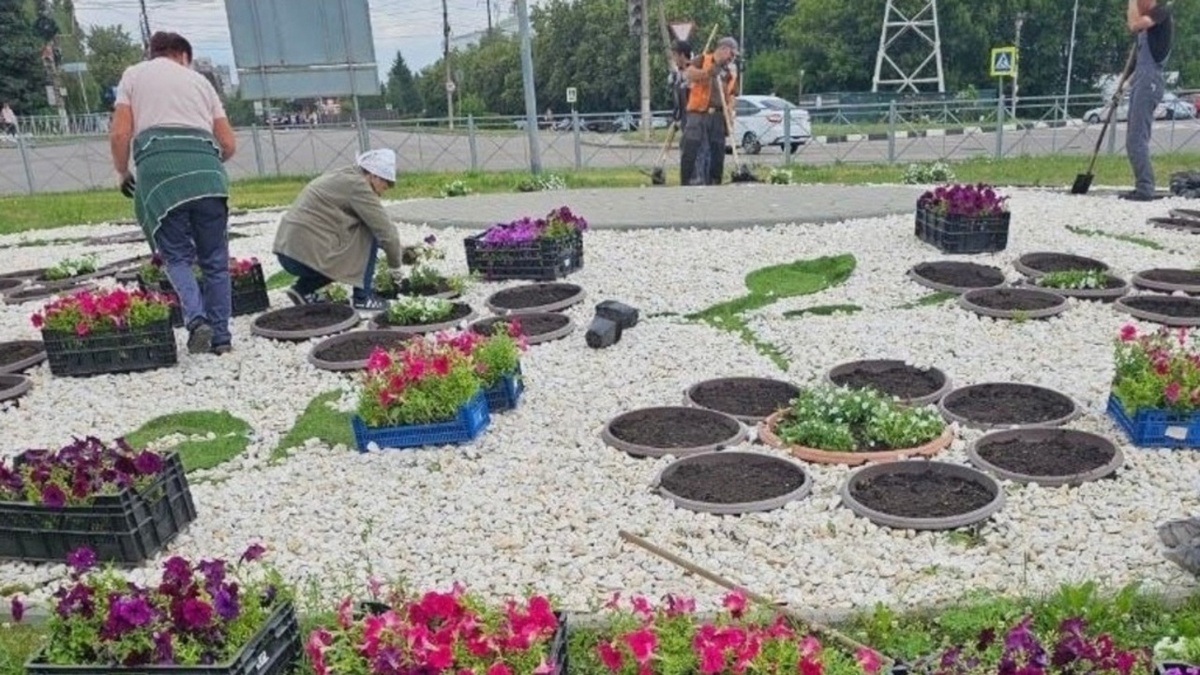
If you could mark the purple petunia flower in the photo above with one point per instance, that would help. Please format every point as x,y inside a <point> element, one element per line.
<point>131,611</point>
<point>194,614</point>
<point>148,463</point>
<point>18,609</point>
<point>177,573</point>
<point>81,559</point>
<point>164,649</point>
<point>253,552</point>
<point>225,601</point>
<point>53,496</point>
<point>214,573</point>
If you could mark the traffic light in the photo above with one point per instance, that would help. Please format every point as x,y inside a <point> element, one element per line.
<point>637,18</point>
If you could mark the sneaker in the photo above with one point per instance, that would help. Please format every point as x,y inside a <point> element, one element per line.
<point>372,304</point>
<point>222,348</point>
<point>1135,196</point>
<point>200,336</point>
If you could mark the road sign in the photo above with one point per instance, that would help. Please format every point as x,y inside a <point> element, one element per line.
<point>74,67</point>
<point>682,30</point>
<point>1004,61</point>
<point>450,86</point>
<point>572,94</point>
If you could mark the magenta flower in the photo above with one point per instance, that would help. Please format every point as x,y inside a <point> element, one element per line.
<point>18,609</point>
<point>132,612</point>
<point>225,601</point>
<point>148,463</point>
<point>81,559</point>
<point>253,552</point>
<point>164,649</point>
<point>194,614</point>
<point>177,572</point>
<point>53,496</point>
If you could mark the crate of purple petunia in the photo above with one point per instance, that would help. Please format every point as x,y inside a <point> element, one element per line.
<point>125,504</point>
<point>537,249</point>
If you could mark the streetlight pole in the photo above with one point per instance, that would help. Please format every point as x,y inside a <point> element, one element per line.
<point>742,49</point>
<point>1070,63</point>
<point>1021,16</point>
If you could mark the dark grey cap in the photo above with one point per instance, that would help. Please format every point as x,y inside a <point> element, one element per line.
<point>727,42</point>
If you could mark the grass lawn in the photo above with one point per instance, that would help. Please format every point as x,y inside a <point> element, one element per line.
<point>230,436</point>
<point>56,209</point>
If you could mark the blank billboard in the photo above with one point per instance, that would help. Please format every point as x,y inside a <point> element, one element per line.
<point>302,48</point>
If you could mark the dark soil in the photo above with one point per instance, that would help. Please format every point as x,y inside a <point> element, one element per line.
<point>733,479</point>
<point>442,286</point>
<point>6,284</point>
<point>1186,224</point>
<point>929,494</point>
<point>1172,276</point>
<point>1060,262</point>
<point>1167,305</point>
<point>533,295</point>
<point>305,317</point>
<point>19,350</point>
<point>461,310</point>
<point>960,274</point>
<point>532,325</point>
<point>23,274</point>
<point>674,428</point>
<point>358,346</point>
<point>1060,455</point>
<point>745,398</point>
<point>900,380</point>
<point>1013,299</point>
<point>1008,403</point>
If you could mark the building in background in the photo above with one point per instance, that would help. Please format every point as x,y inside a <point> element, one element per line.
<point>506,26</point>
<point>218,75</point>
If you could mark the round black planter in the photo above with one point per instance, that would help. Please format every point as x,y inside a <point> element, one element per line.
<point>723,431</point>
<point>1050,447</point>
<point>715,482</point>
<point>1036,264</point>
<point>1063,408</point>
<point>1168,280</point>
<point>340,318</point>
<point>847,374</point>
<point>954,276</point>
<point>1167,310</point>
<point>942,472</point>
<point>556,296</point>
<point>1005,303</point>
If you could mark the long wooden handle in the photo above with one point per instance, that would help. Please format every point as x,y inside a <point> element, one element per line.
<point>792,614</point>
<point>1112,106</point>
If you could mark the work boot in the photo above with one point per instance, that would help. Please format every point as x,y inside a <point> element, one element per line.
<point>298,299</point>
<point>1135,196</point>
<point>222,348</point>
<point>200,335</point>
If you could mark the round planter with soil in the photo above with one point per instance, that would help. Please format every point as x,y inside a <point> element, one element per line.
<point>749,399</point>
<point>538,327</point>
<point>24,274</point>
<point>672,430</point>
<point>1168,310</point>
<point>910,384</point>
<point>17,356</point>
<point>1187,214</point>
<point>440,290</point>
<point>922,495</point>
<point>1046,456</point>
<point>305,321</point>
<point>21,296</point>
<point>551,297</point>
<point>730,483</point>
<point>1034,265</point>
<point>768,435</point>
<point>459,313</point>
<point>1168,280</point>
<point>1002,405</point>
<point>1189,225</point>
<point>13,386</point>
<point>956,277</point>
<point>350,351</point>
<point>9,285</point>
<point>1114,287</point>
<point>1013,303</point>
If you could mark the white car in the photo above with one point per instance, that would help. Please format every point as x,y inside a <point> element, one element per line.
<point>759,122</point>
<point>1171,108</point>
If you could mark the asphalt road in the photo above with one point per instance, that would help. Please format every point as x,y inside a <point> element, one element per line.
<point>84,164</point>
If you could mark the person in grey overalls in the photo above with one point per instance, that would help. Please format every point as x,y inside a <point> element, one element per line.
<point>1153,26</point>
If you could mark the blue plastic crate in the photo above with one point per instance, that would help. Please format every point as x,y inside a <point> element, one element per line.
<point>1150,428</point>
<point>505,394</point>
<point>472,419</point>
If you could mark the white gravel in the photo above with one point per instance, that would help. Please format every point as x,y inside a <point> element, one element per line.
<point>538,500</point>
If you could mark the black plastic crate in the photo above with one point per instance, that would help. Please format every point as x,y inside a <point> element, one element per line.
<point>537,260</point>
<point>963,234</point>
<point>274,650</point>
<point>124,351</point>
<point>126,528</point>
<point>250,293</point>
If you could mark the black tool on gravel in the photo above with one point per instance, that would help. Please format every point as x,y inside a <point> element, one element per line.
<point>625,316</point>
<point>741,173</point>
<point>657,175</point>
<point>603,333</point>
<point>1083,181</point>
<point>128,186</point>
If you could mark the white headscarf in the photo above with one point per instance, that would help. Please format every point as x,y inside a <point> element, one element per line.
<point>381,163</point>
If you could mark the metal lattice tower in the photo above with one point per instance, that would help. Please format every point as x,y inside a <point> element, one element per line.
<point>896,23</point>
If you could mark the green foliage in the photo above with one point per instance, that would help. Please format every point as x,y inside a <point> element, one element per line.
<point>22,77</point>
<point>110,51</point>
<point>846,420</point>
<point>230,436</point>
<point>402,90</point>
<point>421,384</point>
<point>1178,649</point>
<point>927,174</point>
<point>319,420</point>
<point>1159,370</point>
<point>499,355</point>
<point>71,267</point>
<point>415,311</point>
<point>1074,279</point>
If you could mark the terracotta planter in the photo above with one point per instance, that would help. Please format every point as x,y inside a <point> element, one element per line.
<point>766,433</point>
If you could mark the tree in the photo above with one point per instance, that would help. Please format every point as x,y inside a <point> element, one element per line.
<point>110,51</point>
<point>402,89</point>
<point>22,76</point>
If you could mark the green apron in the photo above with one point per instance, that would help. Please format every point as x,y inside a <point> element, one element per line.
<point>175,165</point>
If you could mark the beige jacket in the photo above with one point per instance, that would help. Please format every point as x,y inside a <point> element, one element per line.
<point>330,225</point>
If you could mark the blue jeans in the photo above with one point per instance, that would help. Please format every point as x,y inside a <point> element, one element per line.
<point>309,281</point>
<point>197,232</point>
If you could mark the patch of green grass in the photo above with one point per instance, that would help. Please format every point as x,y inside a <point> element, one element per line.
<point>17,644</point>
<point>280,279</point>
<point>317,421</point>
<point>935,298</point>
<point>822,310</point>
<point>770,284</point>
<point>232,435</point>
<point>1127,238</point>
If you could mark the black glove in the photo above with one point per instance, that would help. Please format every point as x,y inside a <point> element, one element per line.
<point>128,186</point>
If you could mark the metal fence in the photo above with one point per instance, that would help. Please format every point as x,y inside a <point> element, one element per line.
<point>50,154</point>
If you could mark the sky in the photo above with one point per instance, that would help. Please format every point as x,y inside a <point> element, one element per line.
<point>413,27</point>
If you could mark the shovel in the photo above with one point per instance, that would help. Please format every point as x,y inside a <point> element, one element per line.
<point>741,173</point>
<point>1083,181</point>
<point>657,175</point>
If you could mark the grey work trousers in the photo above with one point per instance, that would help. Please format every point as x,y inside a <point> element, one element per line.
<point>702,149</point>
<point>1146,94</point>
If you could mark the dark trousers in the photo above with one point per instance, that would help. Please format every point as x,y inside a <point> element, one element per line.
<point>198,232</point>
<point>309,280</point>
<point>1146,94</point>
<point>702,150</point>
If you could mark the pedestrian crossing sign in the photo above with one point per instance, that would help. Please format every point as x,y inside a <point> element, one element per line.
<point>1004,61</point>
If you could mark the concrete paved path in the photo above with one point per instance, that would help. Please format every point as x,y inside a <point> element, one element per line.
<point>724,207</point>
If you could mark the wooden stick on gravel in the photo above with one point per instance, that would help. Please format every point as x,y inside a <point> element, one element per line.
<point>837,636</point>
